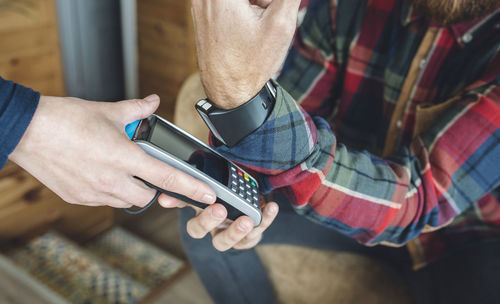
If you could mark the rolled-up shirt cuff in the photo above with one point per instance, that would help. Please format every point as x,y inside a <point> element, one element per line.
<point>17,107</point>
<point>284,140</point>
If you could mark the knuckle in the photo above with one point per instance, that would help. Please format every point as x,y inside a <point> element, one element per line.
<point>266,222</point>
<point>281,24</point>
<point>169,182</point>
<point>219,246</point>
<point>195,191</point>
<point>139,105</point>
<point>140,202</point>
<point>165,201</point>
<point>199,236</point>
<point>233,236</point>
<point>256,234</point>
<point>193,231</point>
<point>205,225</point>
<point>145,198</point>
<point>243,244</point>
<point>194,234</point>
<point>240,246</point>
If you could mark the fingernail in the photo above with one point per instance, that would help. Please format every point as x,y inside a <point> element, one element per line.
<point>218,213</point>
<point>152,97</point>
<point>271,210</point>
<point>243,226</point>
<point>208,199</point>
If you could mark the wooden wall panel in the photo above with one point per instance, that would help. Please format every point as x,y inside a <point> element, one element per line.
<point>24,14</point>
<point>30,52</point>
<point>30,55</point>
<point>167,54</point>
<point>27,205</point>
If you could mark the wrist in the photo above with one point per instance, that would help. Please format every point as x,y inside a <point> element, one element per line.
<point>227,100</point>
<point>33,134</point>
<point>22,144</point>
<point>232,94</point>
<point>230,126</point>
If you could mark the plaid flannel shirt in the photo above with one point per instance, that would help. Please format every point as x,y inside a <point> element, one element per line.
<point>387,127</point>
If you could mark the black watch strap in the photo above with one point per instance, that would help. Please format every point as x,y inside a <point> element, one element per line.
<point>231,126</point>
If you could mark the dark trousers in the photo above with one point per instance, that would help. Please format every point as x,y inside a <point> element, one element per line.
<point>469,276</point>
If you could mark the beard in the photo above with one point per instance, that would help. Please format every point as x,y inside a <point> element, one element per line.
<point>448,12</point>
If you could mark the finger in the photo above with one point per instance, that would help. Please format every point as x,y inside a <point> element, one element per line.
<point>232,235</point>
<point>168,178</point>
<point>128,111</point>
<point>118,203</point>
<point>221,227</point>
<point>109,201</point>
<point>253,238</point>
<point>122,205</point>
<point>135,192</point>
<point>206,221</point>
<point>170,202</point>
<point>247,243</point>
<point>196,4</point>
<point>269,214</point>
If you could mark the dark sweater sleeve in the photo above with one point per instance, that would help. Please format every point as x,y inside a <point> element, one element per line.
<point>17,106</point>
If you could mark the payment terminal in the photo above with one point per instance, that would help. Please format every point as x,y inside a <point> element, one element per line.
<point>235,189</point>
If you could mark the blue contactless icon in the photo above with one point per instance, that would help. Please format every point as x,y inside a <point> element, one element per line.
<point>130,128</point>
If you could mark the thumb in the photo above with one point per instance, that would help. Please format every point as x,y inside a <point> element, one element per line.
<point>131,110</point>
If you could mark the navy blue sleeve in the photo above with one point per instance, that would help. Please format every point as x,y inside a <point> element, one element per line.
<point>17,106</point>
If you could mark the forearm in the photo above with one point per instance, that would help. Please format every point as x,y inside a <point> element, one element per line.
<point>423,186</point>
<point>286,138</point>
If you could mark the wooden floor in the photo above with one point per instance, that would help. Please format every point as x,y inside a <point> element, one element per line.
<point>345,273</point>
<point>347,276</point>
<point>157,225</point>
<point>19,287</point>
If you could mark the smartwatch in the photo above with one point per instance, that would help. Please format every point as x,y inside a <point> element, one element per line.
<point>231,126</point>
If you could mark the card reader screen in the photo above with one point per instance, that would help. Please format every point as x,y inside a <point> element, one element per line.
<point>190,151</point>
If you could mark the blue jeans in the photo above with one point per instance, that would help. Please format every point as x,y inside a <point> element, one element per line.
<point>469,276</point>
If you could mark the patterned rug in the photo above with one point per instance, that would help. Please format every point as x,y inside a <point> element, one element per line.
<point>142,261</point>
<point>117,267</point>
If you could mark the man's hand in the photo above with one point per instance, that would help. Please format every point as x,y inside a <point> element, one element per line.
<point>241,44</point>
<point>79,150</point>
<point>226,234</point>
